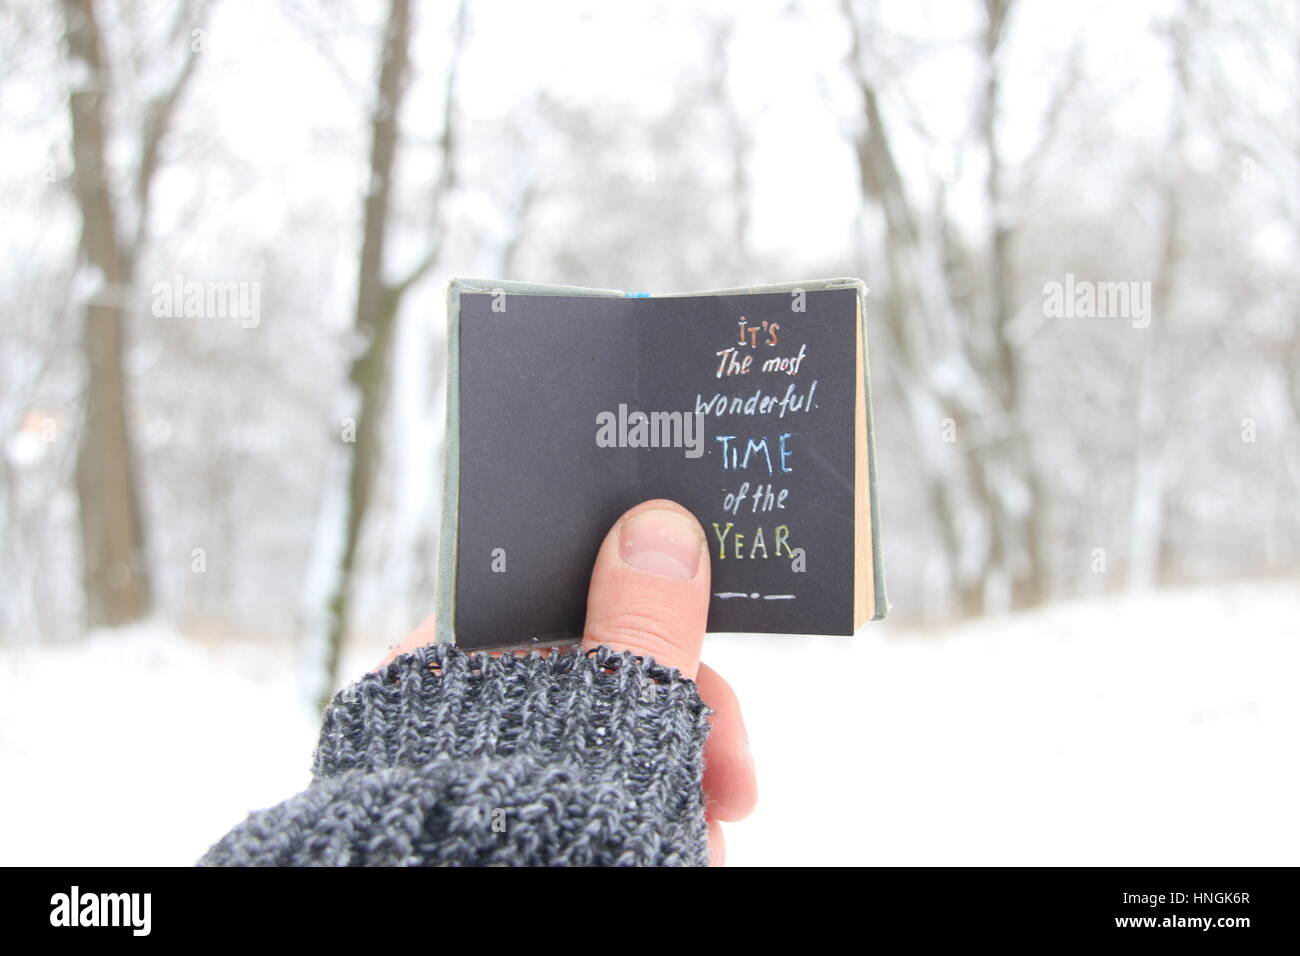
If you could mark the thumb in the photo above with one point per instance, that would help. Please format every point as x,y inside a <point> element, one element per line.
<point>650,587</point>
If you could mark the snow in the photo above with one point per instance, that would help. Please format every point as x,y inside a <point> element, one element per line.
<point>24,449</point>
<point>80,77</point>
<point>140,747</point>
<point>1157,729</point>
<point>87,283</point>
<point>1154,730</point>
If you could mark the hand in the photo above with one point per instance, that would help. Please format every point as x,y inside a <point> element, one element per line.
<point>650,595</point>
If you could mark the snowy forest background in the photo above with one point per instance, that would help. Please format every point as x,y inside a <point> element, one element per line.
<point>273,486</point>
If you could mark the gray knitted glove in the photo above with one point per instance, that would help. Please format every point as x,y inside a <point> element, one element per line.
<point>448,758</point>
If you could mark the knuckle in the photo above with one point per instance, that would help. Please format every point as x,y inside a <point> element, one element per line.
<point>653,632</point>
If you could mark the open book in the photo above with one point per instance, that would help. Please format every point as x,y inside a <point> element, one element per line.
<point>567,406</point>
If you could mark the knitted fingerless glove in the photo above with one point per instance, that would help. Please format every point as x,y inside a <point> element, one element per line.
<point>448,758</point>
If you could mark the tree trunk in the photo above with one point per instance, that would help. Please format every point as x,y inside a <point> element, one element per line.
<point>379,301</point>
<point>1151,472</point>
<point>923,321</point>
<point>374,317</point>
<point>1019,528</point>
<point>115,569</point>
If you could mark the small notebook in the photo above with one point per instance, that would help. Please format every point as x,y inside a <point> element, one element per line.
<point>567,406</point>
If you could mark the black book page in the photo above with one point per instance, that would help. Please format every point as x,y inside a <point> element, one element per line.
<point>551,452</point>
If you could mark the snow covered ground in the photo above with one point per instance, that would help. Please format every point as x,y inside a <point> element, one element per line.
<point>1153,730</point>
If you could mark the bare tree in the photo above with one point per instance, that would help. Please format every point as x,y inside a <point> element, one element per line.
<point>737,139</point>
<point>960,370</point>
<point>115,565</point>
<point>924,324</point>
<point>379,298</point>
<point>1018,533</point>
<point>1146,544</point>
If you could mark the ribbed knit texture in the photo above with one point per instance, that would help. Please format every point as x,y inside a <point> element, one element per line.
<point>448,758</point>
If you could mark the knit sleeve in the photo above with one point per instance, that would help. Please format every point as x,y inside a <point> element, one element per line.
<point>449,758</point>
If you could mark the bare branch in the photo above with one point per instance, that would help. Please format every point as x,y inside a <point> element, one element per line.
<point>446,181</point>
<point>158,114</point>
<point>1070,78</point>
